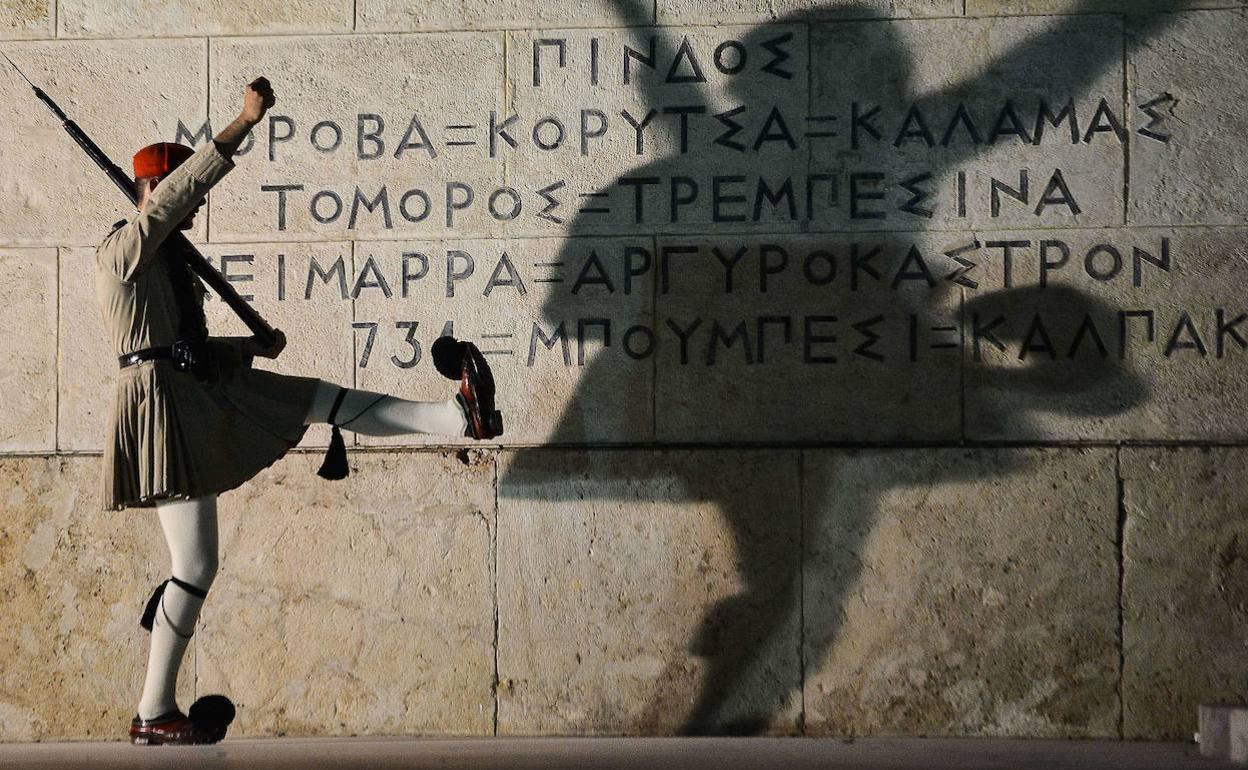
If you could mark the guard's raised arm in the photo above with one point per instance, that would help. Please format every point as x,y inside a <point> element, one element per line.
<point>130,248</point>
<point>257,100</point>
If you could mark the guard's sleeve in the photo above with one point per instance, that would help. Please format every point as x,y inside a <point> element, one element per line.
<point>127,250</point>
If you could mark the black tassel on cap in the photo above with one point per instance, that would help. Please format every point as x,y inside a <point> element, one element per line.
<point>149,612</point>
<point>335,465</point>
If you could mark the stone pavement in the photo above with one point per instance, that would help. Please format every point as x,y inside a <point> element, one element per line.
<point>379,753</point>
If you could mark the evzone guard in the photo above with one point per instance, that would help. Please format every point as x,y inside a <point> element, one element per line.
<point>192,418</point>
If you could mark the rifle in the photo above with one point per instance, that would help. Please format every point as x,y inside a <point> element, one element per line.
<point>196,261</point>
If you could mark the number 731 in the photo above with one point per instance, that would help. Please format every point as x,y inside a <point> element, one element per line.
<point>409,339</point>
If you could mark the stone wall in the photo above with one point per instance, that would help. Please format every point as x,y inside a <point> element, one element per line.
<point>868,367</point>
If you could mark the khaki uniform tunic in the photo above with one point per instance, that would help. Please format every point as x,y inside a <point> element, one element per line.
<point>171,435</point>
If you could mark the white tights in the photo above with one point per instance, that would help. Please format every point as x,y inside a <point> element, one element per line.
<point>191,531</point>
<point>190,526</point>
<point>379,414</point>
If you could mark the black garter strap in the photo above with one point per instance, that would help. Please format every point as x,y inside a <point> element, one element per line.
<point>333,412</point>
<point>149,612</point>
<point>190,589</point>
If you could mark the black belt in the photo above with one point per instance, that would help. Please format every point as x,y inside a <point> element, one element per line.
<point>146,354</point>
<point>190,355</point>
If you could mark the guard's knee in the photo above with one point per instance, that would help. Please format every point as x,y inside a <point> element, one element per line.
<point>200,573</point>
<point>322,406</point>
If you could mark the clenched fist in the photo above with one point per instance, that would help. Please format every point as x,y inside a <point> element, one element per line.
<point>258,99</point>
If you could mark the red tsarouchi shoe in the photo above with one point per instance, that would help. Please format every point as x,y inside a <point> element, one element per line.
<point>174,728</point>
<point>463,361</point>
<point>476,394</point>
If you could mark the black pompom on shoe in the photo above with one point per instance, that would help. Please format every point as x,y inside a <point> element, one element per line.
<point>213,711</point>
<point>447,353</point>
